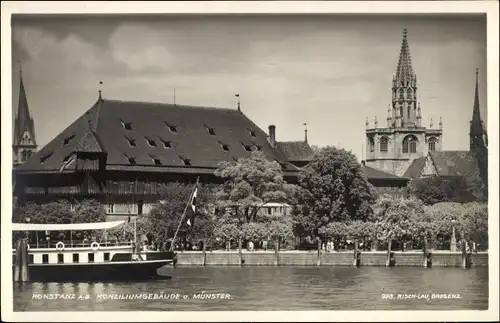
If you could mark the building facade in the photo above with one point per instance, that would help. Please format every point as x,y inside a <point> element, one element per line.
<point>123,152</point>
<point>393,147</point>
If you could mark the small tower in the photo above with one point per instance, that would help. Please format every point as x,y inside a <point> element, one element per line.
<point>24,141</point>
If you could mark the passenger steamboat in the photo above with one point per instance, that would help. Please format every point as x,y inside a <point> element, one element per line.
<point>85,260</point>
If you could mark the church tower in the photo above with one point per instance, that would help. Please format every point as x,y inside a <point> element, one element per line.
<point>24,145</point>
<point>392,148</point>
<point>478,136</point>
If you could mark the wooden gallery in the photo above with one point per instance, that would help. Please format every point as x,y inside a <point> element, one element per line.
<point>121,152</point>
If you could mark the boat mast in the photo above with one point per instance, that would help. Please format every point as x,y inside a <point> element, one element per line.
<point>183,214</point>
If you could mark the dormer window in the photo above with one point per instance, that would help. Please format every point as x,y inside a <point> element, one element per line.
<point>167,144</point>
<point>258,147</point>
<point>45,157</point>
<point>186,160</point>
<point>131,160</point>
<point>67,157</point>
<point>67,140</point>
<point>210,130</point>
<point>252,133</point>
<point>224,146</point>
<point>127,125</point>
<point>173,129</point>
<point>151,142</point>
<point>156,160</point>
<point>247,147</point>
<point>131,142</point>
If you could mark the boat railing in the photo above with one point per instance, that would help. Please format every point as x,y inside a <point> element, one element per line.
<point>77,244</point>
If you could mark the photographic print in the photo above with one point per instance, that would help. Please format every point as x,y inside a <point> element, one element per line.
<point>223,162</point>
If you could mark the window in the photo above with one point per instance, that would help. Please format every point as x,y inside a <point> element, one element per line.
<point>30,258</point>
<point>167,144</point>
<point>224,146</point>
<point>432,144</point>
<point>371,144</point>
<point>24,156</point>
<point>45,258</point>
<point>186,161</point>
<point>131,142</point>
<point>258,147</point>
<point>401,94</point>
<point>110,208</point>
<point>210,130</point>
<point>384,142</point>
<point>409,111</point>
<point>127,125</point>
<point>173,129</point>
<point>76,258</point>
<point>67,140</point>
<point>60,258</point>
<point>156,160</point>
<point>29,153</point>
<point>410,144</point>
<point>252,133</point>
<point>45,157</point>
<point>106,256</point>
<point>151,142</point>
<point>246,147</point>
<point>91,256</point>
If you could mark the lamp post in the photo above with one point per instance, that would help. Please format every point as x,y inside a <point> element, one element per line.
<point>453,244</point>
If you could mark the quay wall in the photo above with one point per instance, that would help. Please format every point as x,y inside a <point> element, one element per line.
<point>310,258</point>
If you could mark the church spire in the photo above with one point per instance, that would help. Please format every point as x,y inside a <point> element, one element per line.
<point>404,70</point>
<point>24,144</point>
<point>476,125</point>
<point>404,88</point>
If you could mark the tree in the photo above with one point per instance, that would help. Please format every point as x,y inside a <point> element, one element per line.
<point>437,189</point>
<point>332,188</point>
<point>249,184</point>
<point>400,219</point>
<point>163,219</point>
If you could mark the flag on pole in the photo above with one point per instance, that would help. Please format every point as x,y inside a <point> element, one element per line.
<point>193,205</point>
<point>67,163</point>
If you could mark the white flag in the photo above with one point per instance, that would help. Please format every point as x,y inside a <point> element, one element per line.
<point>193,201</point>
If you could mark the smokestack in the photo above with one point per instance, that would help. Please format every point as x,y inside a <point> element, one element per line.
<point>272,136</point>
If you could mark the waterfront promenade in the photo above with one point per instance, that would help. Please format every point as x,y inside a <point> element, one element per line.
<point>440,258</point>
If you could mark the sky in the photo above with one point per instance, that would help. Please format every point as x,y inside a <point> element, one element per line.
<point>329,71</point>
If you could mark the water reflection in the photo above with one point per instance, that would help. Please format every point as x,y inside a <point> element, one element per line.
<point>272,288</point>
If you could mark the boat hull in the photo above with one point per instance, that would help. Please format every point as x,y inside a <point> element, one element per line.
<point>111,271</point>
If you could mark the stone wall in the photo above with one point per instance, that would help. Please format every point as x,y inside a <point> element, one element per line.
<point>310,258</point>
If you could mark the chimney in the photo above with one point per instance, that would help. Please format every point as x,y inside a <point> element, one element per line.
<point>272,136</point>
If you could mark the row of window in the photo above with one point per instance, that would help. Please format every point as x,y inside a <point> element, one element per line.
<point>60,258</point>
<point>409,144</point>
<point>173,129</point>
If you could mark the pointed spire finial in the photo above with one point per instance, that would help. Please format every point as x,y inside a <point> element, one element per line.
<point>375,122</point>
<point>367,123</point>
<point>431,123</point>
<point>305,132</point>
<point>441,122</point>
<point>100,92</point>
<point>239,107</point>
<point>20,67</point>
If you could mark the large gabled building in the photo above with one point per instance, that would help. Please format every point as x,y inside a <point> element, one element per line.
<point>122,152</point>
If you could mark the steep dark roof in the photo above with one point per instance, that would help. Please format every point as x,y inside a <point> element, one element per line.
<point>296,150</point>
<point>142,136</point>
<point>415,168</point>
<point>455,163</point>
<point>373,173</point>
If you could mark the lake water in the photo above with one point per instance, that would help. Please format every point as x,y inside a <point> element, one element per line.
<point>270,288</point>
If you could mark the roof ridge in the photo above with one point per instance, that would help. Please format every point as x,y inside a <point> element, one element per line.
<point>168,104</point>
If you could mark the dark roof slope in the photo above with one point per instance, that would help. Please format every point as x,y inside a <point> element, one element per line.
<point>415,168</point>
<point>157,135</point>
<point>455,163</point>
<point>373,173</point>
<point>296,150</point>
